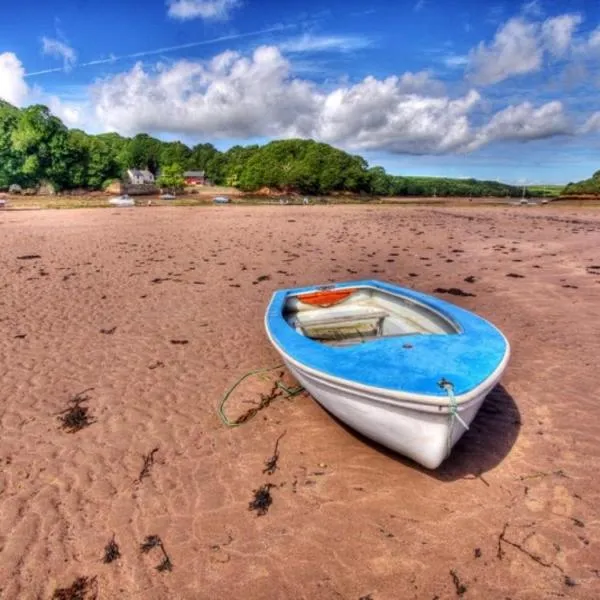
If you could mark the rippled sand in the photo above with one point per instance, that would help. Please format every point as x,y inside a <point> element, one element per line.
<point>512,514</point>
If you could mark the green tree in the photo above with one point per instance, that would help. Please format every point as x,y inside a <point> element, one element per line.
<point>171,178</point>
<point>11,161</point>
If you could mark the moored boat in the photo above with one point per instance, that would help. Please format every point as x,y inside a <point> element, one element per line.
<point>221,200</point>
<point>405,369</point>
<point>122,201</point>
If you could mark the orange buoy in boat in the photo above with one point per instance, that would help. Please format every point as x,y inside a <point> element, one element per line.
<point>326,298</point>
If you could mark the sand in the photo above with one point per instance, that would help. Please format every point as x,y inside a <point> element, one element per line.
<point>512,514</point>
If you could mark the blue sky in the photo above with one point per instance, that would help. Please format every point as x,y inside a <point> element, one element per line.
<point>498,90</point>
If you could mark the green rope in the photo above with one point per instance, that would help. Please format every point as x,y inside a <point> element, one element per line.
<point>290,392</point>
<point>454,416</point>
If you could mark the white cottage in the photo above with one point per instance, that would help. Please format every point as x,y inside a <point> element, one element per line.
<point>140,176</point>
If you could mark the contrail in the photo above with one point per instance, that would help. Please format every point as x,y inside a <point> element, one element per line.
<point>225,38</point>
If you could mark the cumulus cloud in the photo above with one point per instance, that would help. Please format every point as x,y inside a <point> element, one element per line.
<point>13,88</point>
<point>230,96</point>
<point>60,50</point>
<point>237,96</point>
<point>524,122</point>
<point>520,46</point>
<point>557,33</point>
<point>218,10</point>
<point>376,114</point>
<point>514,51</point>
<point>257,96</point>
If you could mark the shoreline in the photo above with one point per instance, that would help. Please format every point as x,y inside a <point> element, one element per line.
<point>17,202</point>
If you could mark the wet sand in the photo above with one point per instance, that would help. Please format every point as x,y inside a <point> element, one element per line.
<point>512,514</point>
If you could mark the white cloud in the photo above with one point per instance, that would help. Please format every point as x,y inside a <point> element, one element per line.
<point>13,88</point>
<point>318,43</point>
<point>523,122</point>
<point>218,10</point>
<point>229,96</point>
<point>58,49</point>
<point>514,51</point>
<point>376,114</point>
<point>592,125</point>
<point>532,8</point>
<point>593,43</point>
<point>235,96</point>
<point>454,61</point>
<point>557,33</point>
<point>520,46</point>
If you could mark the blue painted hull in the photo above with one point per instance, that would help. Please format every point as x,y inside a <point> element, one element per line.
<point>466,359</point>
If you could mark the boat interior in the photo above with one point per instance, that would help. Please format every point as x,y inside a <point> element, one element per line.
<point>348,316</point>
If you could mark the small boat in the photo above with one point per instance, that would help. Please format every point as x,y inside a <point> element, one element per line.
<point>221,200</point>
<point>407,370</point>
<point>122,201</point>
<point>167,196</point>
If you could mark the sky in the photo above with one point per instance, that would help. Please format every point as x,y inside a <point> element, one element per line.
<point>494,90</point>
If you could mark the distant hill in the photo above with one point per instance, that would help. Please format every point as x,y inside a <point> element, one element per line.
<point>587,187</point>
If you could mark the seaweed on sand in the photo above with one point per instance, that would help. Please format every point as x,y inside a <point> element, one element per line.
<point>76,416</point>
<point>154,541</point>
<point>83,588</point>
<point>271,463</point>
<point>453,291</point>
<point>148,462</point>
<point>111,551</point>
<point>262,500</point>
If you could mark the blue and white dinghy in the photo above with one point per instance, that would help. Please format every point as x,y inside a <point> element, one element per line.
<point>403,368</point>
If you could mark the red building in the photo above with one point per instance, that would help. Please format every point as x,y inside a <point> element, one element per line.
<point>194,178</point>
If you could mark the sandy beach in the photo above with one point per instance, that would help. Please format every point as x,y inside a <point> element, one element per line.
<point>144,317</point>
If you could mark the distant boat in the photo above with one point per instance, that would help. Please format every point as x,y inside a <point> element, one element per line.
<point>124,200</point>
<point>405,369</point>
<point>167,196</point>
<point>221,200</point>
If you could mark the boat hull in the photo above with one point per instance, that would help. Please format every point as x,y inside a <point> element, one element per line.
<point>422,432</point>
<point>415,394</point>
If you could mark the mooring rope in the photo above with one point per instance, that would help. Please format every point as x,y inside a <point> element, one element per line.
<point>448,386</point>
<point>265,400</point>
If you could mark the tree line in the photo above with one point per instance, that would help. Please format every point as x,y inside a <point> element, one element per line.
<point>36,147</point>
<point>586,187</point>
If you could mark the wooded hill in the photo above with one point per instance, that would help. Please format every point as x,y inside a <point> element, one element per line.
<point>36,147</point>
<point>586,187</point>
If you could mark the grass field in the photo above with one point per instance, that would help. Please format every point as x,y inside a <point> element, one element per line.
<point>551,191</point>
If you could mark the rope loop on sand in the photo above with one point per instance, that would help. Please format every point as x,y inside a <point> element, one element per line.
<point>448,386</point>
<point>265,400</point>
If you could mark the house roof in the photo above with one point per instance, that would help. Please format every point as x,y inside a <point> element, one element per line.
<point>194,174</point>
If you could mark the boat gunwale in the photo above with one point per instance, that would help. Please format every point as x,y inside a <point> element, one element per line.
<point>411,398</point>
<point>434,309</point>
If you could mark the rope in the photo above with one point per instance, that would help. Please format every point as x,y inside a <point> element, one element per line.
<point>449,387</point>
<point>265,400</point>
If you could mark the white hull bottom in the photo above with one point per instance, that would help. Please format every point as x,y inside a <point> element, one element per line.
<point>423,432</point>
